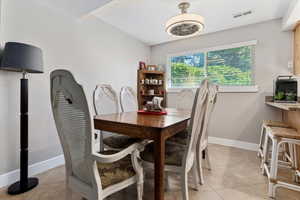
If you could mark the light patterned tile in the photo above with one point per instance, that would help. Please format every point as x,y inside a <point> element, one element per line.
<point>235,175</point>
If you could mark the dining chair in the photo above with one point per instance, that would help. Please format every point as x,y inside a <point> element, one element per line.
<point>202,145</point>
<point>93,175</point>
<point>181,159</point>
<point>128,99</point>
<point>106,102</point>
<point>185,99</point>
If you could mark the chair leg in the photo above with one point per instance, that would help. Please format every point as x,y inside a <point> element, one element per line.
<point>260,146</point>
<point>140,190</point>
<point>184,185</point>
<point>167,181</point>
<point>200,170</point>
<point>265,154</point>
<point>274,165</point>
<point>101,141</point>
<point>207,159</point>
<point>195,177</point>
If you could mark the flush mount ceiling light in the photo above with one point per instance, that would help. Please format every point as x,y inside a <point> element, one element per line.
<point>185,24</point>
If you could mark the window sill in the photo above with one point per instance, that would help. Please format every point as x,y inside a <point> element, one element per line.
<point>224,89</point>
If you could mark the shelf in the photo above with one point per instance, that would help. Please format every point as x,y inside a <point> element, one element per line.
<point>151,72</point>
<point>151,85</point>
<point>149,95</point>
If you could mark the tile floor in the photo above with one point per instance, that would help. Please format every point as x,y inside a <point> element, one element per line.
<point>235,175</point>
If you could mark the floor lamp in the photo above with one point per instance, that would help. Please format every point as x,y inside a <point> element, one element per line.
<point>24,58</point>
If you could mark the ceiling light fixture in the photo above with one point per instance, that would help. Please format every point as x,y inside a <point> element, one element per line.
<point>185,24</point>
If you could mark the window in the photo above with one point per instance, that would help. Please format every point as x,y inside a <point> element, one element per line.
<point>226,66</point>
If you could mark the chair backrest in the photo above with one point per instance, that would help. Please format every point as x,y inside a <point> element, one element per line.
<point>74,125</point>
<point>211,102</point>
<point>196,122</point>
<point>185,99</point>
<point>128,99</point>
<point>105,100</point>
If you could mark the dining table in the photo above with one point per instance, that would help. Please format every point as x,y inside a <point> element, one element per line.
<point>157,128</point>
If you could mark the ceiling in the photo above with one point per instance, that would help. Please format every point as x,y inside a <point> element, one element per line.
<point>76,8</point>
<point>145,19</point>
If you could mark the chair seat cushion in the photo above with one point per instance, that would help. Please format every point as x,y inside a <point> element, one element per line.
<point>273,123</point>
<point>173,154</point>
<point>116,172</point>
<point>289,133</point>
<point>120,141</point>
<point>180,138</point>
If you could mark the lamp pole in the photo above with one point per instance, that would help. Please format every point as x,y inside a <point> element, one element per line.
<point>25,184</point>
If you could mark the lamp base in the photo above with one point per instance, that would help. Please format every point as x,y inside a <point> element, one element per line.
<point>16,188</point>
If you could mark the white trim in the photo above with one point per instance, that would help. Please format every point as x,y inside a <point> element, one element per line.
<point>224,89</point>
<point>233,143</point>
<point>34,169</point>
<point>221,47</point>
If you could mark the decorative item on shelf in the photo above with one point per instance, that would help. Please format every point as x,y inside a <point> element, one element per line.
<point>151,67</point>
<point>154,107</point>
<point>160,68</point>
<point>151,92</point>
<point>23,58</point>
<point>160,82</point>
<point>142,65</point>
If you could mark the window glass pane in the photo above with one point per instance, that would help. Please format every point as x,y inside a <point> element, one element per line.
<point>231,66</point>
<point>187,70</point>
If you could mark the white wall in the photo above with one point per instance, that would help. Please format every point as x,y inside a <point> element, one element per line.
<point>239,115</point>
<point>94,51</point>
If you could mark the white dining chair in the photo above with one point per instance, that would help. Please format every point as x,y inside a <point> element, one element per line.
<point>202,145</point>
<point>185,99</point>
<point>106,102</point>
<point>93,175</point>
<point>128,99</point>
<point>181,159</point>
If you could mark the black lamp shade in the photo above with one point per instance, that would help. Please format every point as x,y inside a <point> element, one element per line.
<point>21,57</point>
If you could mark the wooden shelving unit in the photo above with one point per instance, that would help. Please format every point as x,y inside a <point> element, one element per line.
<point>150,80</point>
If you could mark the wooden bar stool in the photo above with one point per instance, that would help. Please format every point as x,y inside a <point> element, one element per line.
<point>279,137</point>
<point>265,124</point>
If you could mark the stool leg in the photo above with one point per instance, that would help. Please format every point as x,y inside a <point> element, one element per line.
<point>274,167</point>
<point>265,153</point>
<point>260,146</point>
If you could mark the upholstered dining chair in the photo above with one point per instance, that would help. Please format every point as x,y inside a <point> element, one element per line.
<point>181,159</point>
<point>128,99</point>
<point>185,99</point>
<point>94,175</point>
<point>202,145</point>
<point>106,102</point>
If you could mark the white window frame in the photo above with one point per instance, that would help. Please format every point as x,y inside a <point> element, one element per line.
<point>226,89</point>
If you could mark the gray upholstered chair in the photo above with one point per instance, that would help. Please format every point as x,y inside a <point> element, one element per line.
<point>106,102</point>
<point>181,158</point>
<point>128,99</point>
<point>94,175</point>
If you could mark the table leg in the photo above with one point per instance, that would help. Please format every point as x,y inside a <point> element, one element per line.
<point>159,155</point>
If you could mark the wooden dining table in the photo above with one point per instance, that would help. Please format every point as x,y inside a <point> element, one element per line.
<point>154,127</point>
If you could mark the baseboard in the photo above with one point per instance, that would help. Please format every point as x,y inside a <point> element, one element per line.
<point>233,143</point>
<point>13,176</point>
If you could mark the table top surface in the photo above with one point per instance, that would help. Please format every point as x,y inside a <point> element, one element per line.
<point>172,117</point>
<point>285,106</point>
